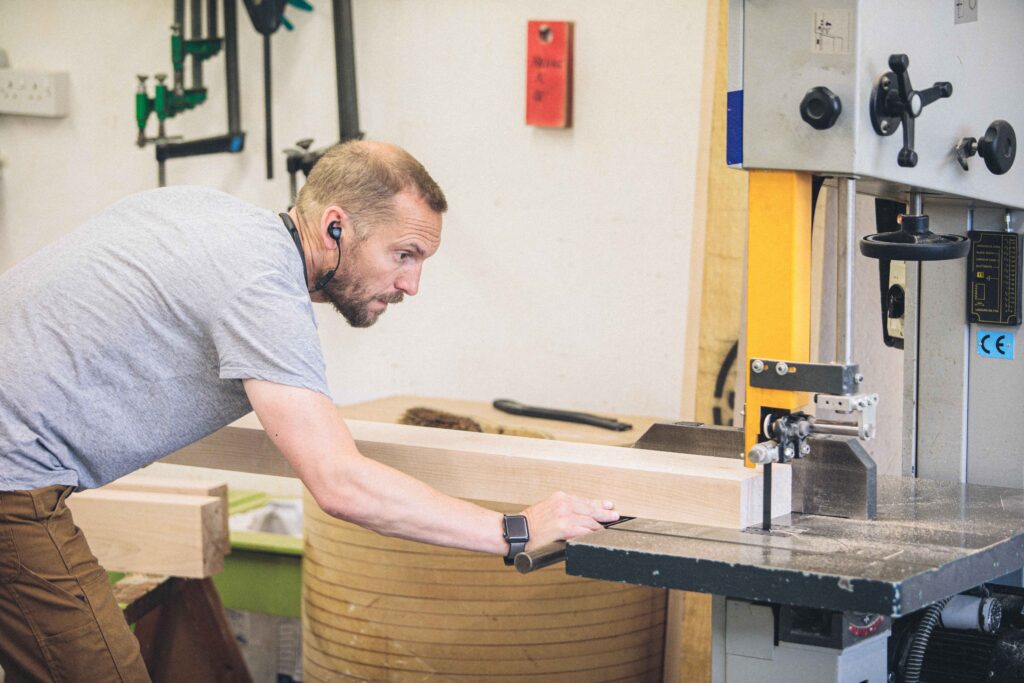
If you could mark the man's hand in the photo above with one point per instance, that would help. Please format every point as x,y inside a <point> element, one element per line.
<point>563,517</point>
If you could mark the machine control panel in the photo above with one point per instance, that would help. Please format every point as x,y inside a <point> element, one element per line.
<point>993,278</point>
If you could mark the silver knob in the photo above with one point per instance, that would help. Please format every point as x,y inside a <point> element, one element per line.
<point>763,453</point>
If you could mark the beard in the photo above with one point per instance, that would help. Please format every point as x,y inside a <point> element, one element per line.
<point>353,301</point>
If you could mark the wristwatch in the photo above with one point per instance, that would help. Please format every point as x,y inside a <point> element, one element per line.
<point>517,533</point>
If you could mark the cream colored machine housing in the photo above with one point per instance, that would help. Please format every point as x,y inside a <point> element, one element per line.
<point>959,414</point>
<point>805,77</point>
<point>787,48</point>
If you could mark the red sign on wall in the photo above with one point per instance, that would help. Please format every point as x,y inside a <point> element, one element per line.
<point>549,74</point>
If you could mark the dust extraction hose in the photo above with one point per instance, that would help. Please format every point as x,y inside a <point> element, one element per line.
<point>919,643</point>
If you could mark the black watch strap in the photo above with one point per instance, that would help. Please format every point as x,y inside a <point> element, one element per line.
<point>514,548</point>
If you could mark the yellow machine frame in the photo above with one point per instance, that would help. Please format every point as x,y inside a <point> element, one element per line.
<point>778,285</point>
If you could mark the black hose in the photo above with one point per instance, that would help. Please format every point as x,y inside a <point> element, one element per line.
<point>919,643</point>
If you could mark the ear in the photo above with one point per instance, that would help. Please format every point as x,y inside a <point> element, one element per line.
<point>333,214</point>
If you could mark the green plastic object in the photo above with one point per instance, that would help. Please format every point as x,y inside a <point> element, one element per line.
<point>263,571</point>
<point>265,582</point>
<point>166,103</point>
<point>242,500</point>
<point>262,542</point>
<point>202,48</point>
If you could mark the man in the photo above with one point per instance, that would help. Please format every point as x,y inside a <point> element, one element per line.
<point>164,318</point>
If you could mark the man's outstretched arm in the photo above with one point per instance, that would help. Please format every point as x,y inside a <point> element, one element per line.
<point>306,427</point>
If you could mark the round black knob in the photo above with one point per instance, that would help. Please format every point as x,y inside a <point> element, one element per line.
<point>899,63</point>
<point>998,147</point>
<point>907,158</point>
<point>820,107</point>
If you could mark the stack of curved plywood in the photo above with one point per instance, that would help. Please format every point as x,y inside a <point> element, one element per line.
<point>384,609</point>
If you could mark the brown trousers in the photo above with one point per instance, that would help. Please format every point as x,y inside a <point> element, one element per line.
<point>58,618</point>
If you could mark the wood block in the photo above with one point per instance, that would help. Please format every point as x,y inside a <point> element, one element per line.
<point>675,487</point>
<point>153,533</point>
<point>138,481</point>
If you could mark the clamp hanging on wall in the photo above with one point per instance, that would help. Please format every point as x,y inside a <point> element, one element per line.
<point>301,158</point>
<point>267,16</point>
<point>168,102</point>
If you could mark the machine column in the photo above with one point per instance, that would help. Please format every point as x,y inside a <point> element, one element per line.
<point>778,284</point>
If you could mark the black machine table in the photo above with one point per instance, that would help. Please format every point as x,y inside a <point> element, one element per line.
<point>930,540</point>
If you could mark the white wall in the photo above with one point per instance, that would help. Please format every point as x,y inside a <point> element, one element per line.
<point>565,273</point>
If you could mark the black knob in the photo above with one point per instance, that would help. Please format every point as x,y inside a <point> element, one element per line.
<point>820,108</point>
<point>998,147</point>
<point>907,158</point>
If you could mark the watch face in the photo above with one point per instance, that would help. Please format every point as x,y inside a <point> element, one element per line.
<point>515,528</point>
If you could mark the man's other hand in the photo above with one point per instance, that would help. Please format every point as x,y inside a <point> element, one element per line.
<point>563,517</point>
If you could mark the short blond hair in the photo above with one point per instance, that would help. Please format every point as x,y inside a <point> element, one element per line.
<point>363,178</point>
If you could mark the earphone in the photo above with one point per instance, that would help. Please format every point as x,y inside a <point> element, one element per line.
<point>334,230</point>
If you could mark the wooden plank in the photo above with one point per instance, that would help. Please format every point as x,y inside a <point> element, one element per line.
<point>138,481</point>
<point>675,487</point>
<point>695,653</point>
<point>153,533</point>
<point>688,622</point>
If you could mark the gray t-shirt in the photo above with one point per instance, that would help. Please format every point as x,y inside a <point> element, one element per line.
<point>128,338</point>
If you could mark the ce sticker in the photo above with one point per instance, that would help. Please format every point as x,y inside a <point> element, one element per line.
<point>995,344</point>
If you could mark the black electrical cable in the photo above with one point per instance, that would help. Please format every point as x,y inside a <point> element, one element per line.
<point>919,642</point>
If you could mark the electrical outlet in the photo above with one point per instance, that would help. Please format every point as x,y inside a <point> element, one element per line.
<point>31,92</point>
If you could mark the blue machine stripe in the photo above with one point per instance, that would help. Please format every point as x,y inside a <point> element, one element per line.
<point>734,128</point>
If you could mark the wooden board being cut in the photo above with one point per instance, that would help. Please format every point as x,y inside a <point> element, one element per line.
<point>153,533</point>
<point>675,487</point>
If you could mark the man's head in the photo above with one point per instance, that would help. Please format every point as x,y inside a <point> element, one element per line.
<point>389,209</point>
